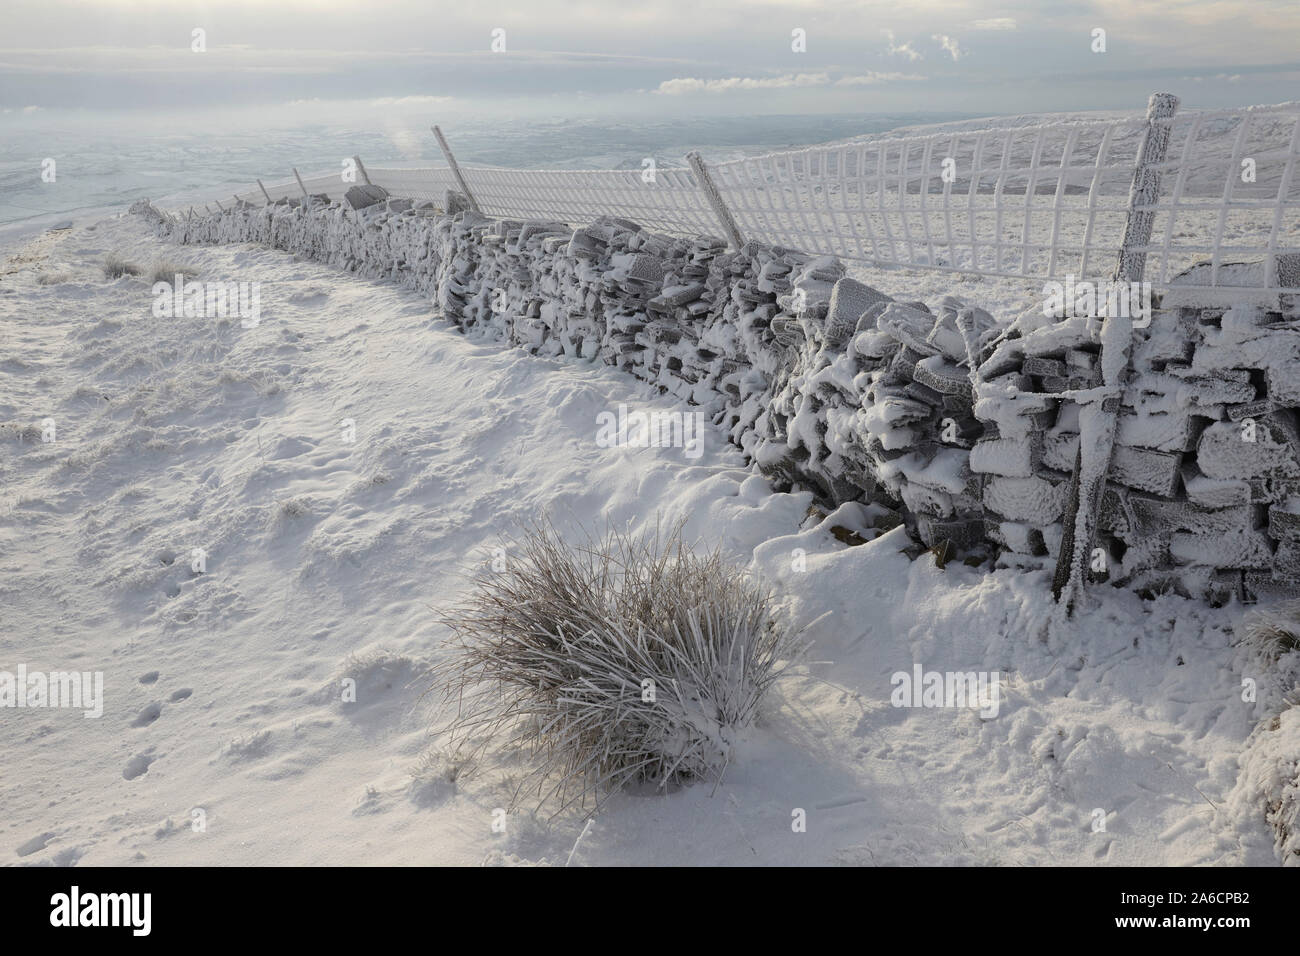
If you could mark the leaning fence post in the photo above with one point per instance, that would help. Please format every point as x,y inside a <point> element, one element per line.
<point>362,169</point>
<point>1088,483</point>
<point>306,197</point>
<point>715,199</point>
<point>455,170</point>
<point>264,192</point>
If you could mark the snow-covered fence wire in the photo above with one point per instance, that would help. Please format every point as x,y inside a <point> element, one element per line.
<point>1046,201</point>
<point>1231,197</point>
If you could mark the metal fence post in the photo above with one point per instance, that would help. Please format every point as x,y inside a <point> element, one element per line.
<point>264,192</point>
<point>455,170</point>
<point>1088,483</point>
<point>362,169</point>
<point>710,189</point>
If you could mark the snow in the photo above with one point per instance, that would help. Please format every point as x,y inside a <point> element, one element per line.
<point>328,560</point>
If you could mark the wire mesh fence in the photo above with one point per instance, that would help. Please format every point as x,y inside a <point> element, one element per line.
<point>1037,202</point>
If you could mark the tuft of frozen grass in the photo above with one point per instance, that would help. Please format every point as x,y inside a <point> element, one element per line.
<point>115,267</point>
<point>1274,631</point>
<point>619,660</point>
<point>294,507</point>
<point>167,272</point>
<point>1270,771</point>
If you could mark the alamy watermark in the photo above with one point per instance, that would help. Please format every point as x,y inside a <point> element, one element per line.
<point>651,430</point>
<point>129,910</point>
<point>208,300</point>
<point>1086,299</point>
<point>922,688</point>
<point>78,690</point>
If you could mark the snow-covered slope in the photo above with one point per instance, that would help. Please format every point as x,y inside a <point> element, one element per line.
<point>327,559</point>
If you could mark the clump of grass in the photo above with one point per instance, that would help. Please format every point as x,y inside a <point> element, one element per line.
<point>294,507</point>
<point>53,278</point>
<point>167,272</point>
<point>115,267</point>
<point>618,660</point>
<point>1274,631</point>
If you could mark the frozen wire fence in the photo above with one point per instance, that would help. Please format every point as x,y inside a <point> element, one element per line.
<point>1229,194</point>
<point>1034,202</point>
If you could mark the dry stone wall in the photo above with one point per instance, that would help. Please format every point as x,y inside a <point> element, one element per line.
<point>965,428</point>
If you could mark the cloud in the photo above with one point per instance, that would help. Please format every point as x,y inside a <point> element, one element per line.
<point>996,23</point>
<point>904,49</point>
<point>398,102</point>
<point>949,45</point>
<point>869,79</point>
<point>410,100</point>
<point>683,85</point>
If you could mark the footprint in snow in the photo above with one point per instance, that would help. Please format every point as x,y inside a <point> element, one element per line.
<point>35,844</point>
<point>137,766</point>
<point>291,448</point>
<point>148,715</point>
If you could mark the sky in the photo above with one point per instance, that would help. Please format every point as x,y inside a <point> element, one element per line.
<point>642,57</point>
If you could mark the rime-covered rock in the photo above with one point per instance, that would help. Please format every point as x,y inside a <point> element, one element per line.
<point>849,300</point>
<point>1233,450</point>
<point>1033,500</point>
<point>362,197</point>
<point>1144,469</point>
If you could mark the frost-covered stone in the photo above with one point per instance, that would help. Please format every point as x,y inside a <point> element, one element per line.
<point>1007,457</point>
<point>362,197</point>
<point>1240,549</point>
<point>1266,448</point>
<point>1146,470</point>
<point>1034,500</point>
<point>909,326</point>
<point>849,300</point>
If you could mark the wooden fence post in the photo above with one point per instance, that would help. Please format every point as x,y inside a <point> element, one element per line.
<point>362,169</point>
<point>306,197</point>
<point>710,189</point>
<point>455,170</point>
<point>1097,438</point>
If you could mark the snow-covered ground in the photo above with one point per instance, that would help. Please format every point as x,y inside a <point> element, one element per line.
<point>327,559</point>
